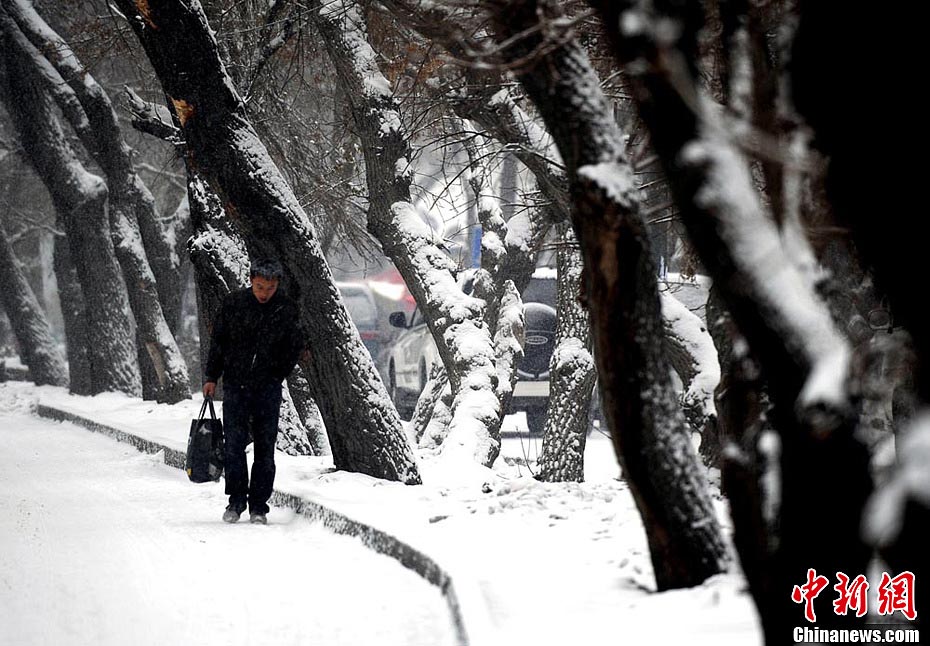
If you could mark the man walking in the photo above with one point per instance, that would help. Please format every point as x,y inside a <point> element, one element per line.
<point>255,344</point>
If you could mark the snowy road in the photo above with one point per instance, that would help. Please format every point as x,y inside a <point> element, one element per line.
<point>102,545</point>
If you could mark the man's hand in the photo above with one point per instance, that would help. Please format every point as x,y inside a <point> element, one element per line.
<point>209,388</point>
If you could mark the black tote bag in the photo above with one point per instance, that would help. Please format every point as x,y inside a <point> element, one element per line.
<point>205,446</point>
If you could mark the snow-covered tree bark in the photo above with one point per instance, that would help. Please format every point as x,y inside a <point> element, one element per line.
<point>365,431</point>
<point>508,254</point>
<point>507,263</point>
<point>30,326</point>
<point>647,425</point>
<point>6,335</point>
<point>90,113</point>
<point>127,190</point>
<point>738,397</point>
<point>74,318</point>
<point>431,415</point>
<point>221,260</point>
<point>221,264</point>
<point>456,321</point>
<point>217,251</point>
<point>826,85</point>
<point>488,103</point>
<point>516,243</point>
<point>692,354</point>
<point>80,200</point>
<point>774,305</point>
<point>308,412</point>
<point>572,374</point>
<point>485,98</point>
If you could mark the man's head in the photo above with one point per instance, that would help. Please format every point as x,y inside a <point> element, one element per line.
<point>265,274</point>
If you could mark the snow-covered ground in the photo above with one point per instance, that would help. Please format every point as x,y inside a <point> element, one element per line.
<point>100,544</point>
<point>532,563</point>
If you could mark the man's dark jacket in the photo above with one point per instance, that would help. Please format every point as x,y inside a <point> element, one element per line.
<point>254,344</point>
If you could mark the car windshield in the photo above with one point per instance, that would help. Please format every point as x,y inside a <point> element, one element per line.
<point>540,290</point>
<point>361,309</point>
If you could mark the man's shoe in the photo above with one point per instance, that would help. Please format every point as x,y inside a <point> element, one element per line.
<point>258,519</point>
<point>231,515</point>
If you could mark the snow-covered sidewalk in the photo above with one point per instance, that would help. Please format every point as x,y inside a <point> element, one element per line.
<point>100,544</point>
<point>531,562</point>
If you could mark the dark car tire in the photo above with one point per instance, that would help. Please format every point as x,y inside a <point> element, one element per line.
<point>536,420</point>
<point>392,390</point>
<point>539,341</point>
<point>401,400</point>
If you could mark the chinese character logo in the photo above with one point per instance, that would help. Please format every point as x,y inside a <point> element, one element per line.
<point>894,594</point>
<point>808,592</point>
<point>851,595</point>
<point>897,594</point>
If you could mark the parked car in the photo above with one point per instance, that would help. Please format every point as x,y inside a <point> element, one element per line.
<point>413,354</point>
<point>363,309</point>
<point>410,359</point>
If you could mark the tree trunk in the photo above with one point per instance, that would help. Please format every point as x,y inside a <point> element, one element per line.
<point>88,108</point>
<point>309,412</point>
<point>486,100</point>
<point>128,192</point>
<point>33,333</point>
<point>509,188</point>
<point>509,248</point>
<point>647,425</point>
<point>365,431</point>
<point>436,429</point>
<point>6,335</point>
<point>739,382</point>
<point>890,239</point>
<point>803,355</point>
<point>436,386</point>
<point>292,437</point>
<point>571,374</point>
<point>218,253</point>
<point>74,315</point>
<point>456,321</point>
<point>221,264</point>
<point>80,199</point>
<point>692,353</point>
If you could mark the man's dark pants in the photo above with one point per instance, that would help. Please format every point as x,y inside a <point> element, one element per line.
<point>256,408</point>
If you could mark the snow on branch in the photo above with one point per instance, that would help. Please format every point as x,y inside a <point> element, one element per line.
<point>536,138</point>
<point>490,104</point>
<point>886,512</point>
<point>783,293</point>
<point>54,84</point>
<point>485,97</point>
<point>347,17</point>
<point>146,118</point>
<point>456,320</point>
<point>698,368</point>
